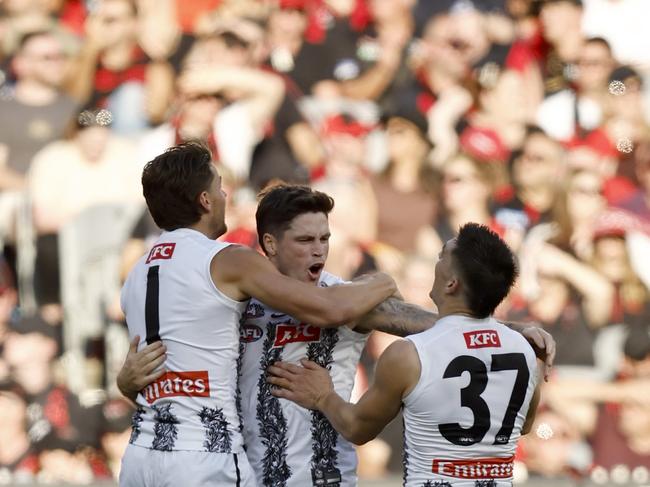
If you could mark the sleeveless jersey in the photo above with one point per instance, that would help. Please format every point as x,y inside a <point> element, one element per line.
<point>287,445</point>
<point>463,418</point>
<point>170,294</point>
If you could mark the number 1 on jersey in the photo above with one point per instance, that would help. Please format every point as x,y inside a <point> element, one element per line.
<point>470,397</point>
<point>151,305</point>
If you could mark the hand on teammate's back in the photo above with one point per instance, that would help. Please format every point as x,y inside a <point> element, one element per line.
<point>141,368</point>
<point>543,344</point>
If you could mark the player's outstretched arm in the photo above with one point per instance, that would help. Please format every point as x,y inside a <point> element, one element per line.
<point>310,386</point>
<point>140,368</point>
<point>241,272</point>
<point>397,317</point>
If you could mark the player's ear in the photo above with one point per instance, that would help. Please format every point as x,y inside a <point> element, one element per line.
<point>452,285</point>
<point>204,201</point>
<point>270,244</point>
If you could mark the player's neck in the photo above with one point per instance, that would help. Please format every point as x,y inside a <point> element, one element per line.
<point>454,308</point>
<point>206,229</point>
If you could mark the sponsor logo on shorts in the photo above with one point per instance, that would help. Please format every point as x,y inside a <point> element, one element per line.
<point>483,468</point>
<point>161,251</point>
<point>250,333</point>
<point>193,383</point>
<point>286,333</point>
<point>482,339</point>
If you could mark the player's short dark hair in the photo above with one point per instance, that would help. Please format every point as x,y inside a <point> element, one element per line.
<point>487,268</point>
<point>172,183</point>
<point>280,204</point>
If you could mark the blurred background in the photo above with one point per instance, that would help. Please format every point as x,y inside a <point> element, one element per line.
<point>530,116</point>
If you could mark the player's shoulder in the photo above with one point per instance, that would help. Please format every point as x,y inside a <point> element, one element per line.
<point>514,339</point>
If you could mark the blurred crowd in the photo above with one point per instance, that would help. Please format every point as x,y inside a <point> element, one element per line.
<point>529,116</point>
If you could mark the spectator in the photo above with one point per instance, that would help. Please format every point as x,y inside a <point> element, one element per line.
<point>68,176</point>
<point>561,27</point>
<point>536,172</point>
<point>204,113</point>
<point>467,190</point>
<point>407,185</point>
<point>568,297</point>
<point>114,72</point>
<point>17,457</point>
<point>38,111</point>
<point>578,109</point>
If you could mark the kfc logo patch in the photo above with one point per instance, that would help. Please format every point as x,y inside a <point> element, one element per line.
<point>193,383</point>
<point>161,251</point>
<point>482,339</point>
<point>250,333</point>
<point>286,333</point>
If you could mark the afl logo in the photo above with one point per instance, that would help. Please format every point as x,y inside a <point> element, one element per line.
<point>250,333</point>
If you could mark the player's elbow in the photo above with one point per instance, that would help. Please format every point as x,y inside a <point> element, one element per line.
<point>357,436</point>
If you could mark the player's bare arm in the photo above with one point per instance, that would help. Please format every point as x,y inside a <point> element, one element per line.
<point>310,386</point>
<point>240,273</point>
<point>140,368</point>
<point>399,318</point>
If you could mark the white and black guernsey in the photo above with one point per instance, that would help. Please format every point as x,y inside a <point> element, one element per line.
<point>287,445</point>
<point>463,418</point>
<point>170,296</point>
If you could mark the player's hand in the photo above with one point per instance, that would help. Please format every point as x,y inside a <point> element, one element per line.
<point>543,344</point>
<point>141,368</point>
<point>307,386</point>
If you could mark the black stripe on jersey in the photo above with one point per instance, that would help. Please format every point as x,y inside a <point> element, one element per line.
<point>405,455</point>
<point>485,483</point>
<point>240,358</point>
<point>237,470</point>
<point>324,436</point>
<point>217,436</point>
<point>165,430</point>
<point>436,483</point>
<point>271,420</point>
<point>151,305</point>
<point>135,424</point>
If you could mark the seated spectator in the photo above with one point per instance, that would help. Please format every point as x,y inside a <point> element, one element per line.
<point>226,108</point>
<point>568,297</point>
<point>115,432</point>
<point>18,460</point>
<point>536,172</point>
<point>407,185</point>
<point>466,194</point>
<point>68,176</point>
<point>575,212</point>
<point>586,100</point>
<point>114,72</point>
<point>57,419</point>
<point>561,30</point>
<point>621,435</point>
<point>345,179</point>
<point>38,111</point>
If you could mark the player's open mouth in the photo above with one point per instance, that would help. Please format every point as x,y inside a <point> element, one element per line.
<point>315,270</point>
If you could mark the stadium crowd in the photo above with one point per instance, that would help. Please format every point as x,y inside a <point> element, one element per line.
<point>529,116</point>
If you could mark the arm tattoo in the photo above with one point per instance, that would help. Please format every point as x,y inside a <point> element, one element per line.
<point>396,317</point>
